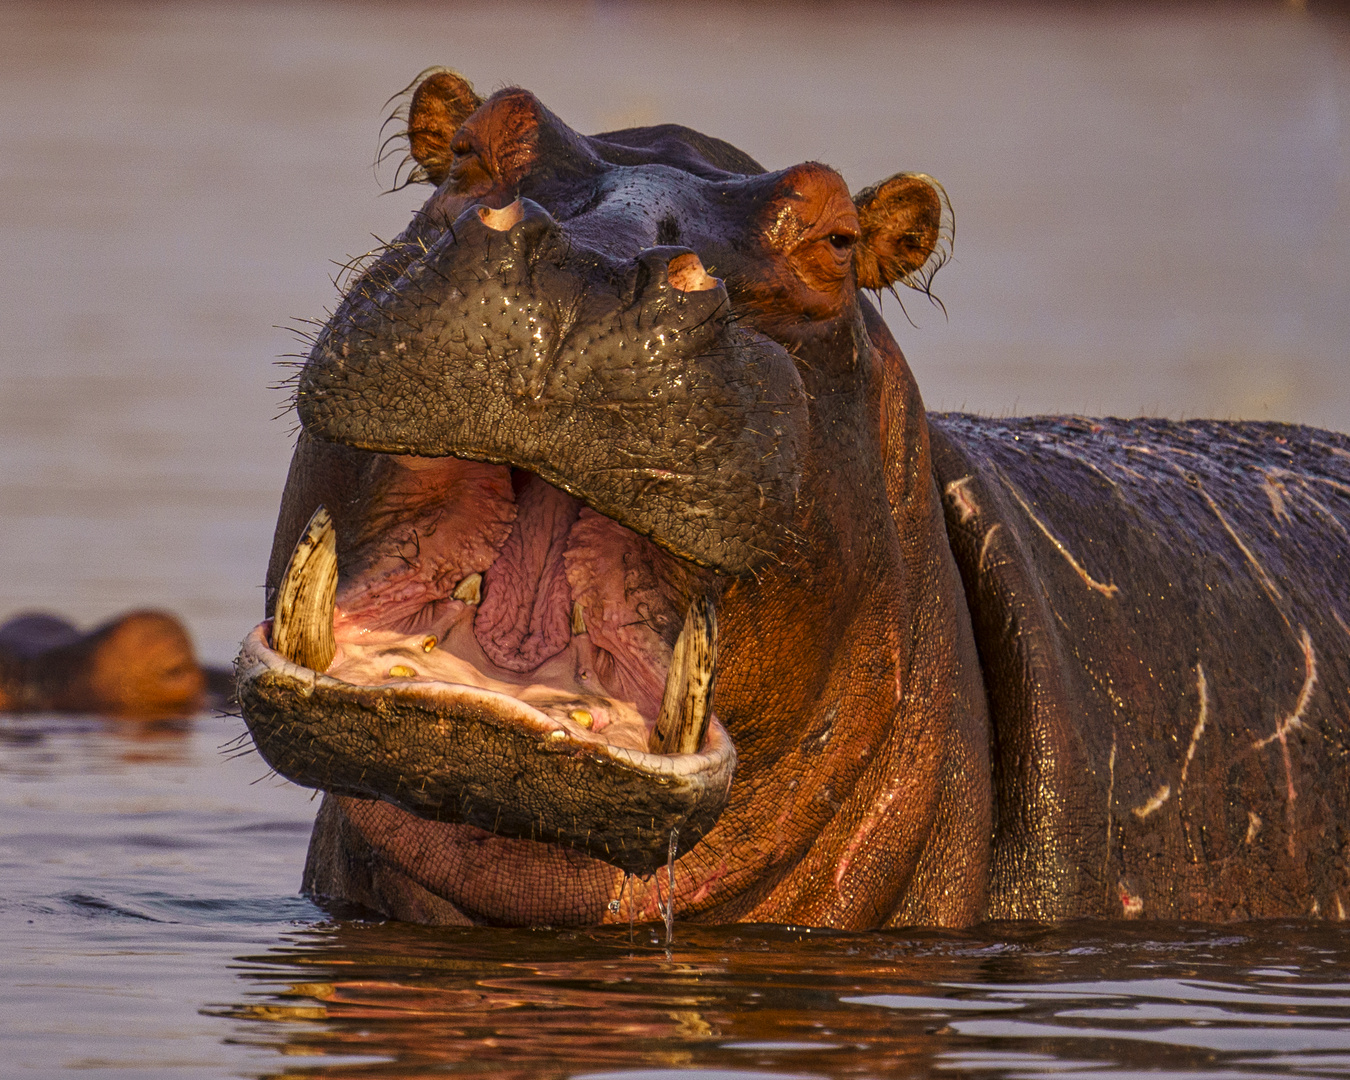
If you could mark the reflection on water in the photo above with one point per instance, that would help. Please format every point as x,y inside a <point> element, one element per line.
<point>151,928</point>
<point>1006,1001</point>
<point>1151,203</point>
<point>135,862</point>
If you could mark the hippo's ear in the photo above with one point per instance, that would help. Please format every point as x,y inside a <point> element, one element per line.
<point>441,101</point>
<point>907,232</point>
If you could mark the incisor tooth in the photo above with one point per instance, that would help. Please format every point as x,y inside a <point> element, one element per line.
<point>470,590</point>
<point>578,618</point>
<point>302,623</point>
<point>687,704</point>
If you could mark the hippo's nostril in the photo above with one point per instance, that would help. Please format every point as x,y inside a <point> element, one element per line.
<point>685,273</point>
<point>502,220</point>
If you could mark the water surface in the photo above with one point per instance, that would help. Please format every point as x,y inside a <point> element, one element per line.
<point>152,928</point>
<point>1152,217</point>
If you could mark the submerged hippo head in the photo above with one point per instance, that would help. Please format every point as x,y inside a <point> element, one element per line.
<point>605,481</point>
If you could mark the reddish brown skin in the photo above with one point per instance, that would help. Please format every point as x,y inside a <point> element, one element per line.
<point>848,679</point>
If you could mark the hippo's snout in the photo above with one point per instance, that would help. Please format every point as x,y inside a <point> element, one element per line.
<point>626,383</point>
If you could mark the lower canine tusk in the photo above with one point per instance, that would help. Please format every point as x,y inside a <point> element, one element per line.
<point>686,706</point>
<point>302,623</point>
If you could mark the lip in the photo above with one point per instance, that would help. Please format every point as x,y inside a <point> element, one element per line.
<point>464,754</point>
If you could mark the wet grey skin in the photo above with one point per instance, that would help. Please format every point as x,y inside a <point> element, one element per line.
<point>530,348</point>
<point>546,348</point>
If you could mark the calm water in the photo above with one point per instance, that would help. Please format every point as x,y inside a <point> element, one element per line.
<point>151,928</point>
<point>1153,216</point>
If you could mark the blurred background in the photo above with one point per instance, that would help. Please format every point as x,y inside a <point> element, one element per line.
<point>1152,216</point>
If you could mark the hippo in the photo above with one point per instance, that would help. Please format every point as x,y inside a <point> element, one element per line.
<point>137,666</point>
<point>620,573</point>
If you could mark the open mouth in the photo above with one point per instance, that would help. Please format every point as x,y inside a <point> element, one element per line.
<point>483,647</point>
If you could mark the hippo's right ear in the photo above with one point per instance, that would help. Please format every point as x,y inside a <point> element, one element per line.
<point>441,101</point>
<point>907,232</point>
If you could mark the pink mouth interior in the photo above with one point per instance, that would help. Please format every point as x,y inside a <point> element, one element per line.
<point>434,521</point>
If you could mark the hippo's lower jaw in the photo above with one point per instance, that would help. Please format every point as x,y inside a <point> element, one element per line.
<point>490,706</point>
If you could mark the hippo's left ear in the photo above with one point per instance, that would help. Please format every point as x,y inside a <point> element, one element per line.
<point>907,232</point>
<point>441,101</point>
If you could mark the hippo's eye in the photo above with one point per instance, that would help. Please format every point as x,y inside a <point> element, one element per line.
<point>471,175</point>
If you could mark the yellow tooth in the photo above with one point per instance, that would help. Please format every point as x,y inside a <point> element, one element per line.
<point>429,643</point>
<point>302,620</point>
<point>578,618</point>
<point>402,671</point>
<point>582,717</point>
<point>470,590</point>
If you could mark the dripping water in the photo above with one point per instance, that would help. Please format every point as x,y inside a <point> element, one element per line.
<point>616,905</point>
<point>668,910</point>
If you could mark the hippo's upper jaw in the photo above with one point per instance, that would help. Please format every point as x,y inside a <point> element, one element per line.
<point>628,382</point>
<point>543,449</point>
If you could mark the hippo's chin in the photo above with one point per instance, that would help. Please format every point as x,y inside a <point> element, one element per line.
<point>499,655</point>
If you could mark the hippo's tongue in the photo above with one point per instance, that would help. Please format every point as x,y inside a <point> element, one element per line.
<point>524,616</point>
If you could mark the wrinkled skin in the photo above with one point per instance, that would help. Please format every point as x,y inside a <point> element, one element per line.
<point>139,666</point>
<point>939,714</point>
<point>1161,615</point>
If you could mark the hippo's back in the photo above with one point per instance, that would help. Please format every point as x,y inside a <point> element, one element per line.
<point>1163,616</point>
